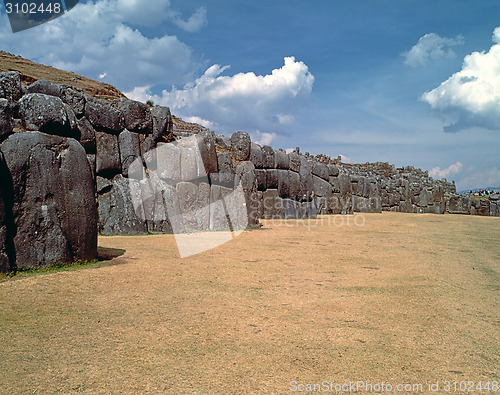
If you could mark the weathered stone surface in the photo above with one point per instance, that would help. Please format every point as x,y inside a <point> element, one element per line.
<point>75,99</point>
<point>292,209</point>
<point>309,210</point>
<point>6,121</point>
<point>283,183</point>
<point>268,157</point>
<point>273,204</point>
<point>223,141</point>
<point>48,114</point>
<point>120,207</point>
<point>256,156</point>
<point>261,176</point>
<point>245,174</point>
<point>10,85</point>
<point>240,146</point>
<point>103,116</point>
<point>225,176</point>
<point>194,203</point>
<point>219,212</point>
<point>91,158</point>
<point>321,170</point>
<point>130,150</point>
<point>306,179</point>
<point>321,187</point>
<point>281,160</point>
<point>333,171</point>
<point>295,187</point>
<point>345,187</point>
<point>53,199</point>
<point>162,122</point>
<point>136,116</point>
<point>168,157</point>
<point>7,230</point>
<point>208,153</point>
<point>161,205</point>
<point>358,185</point>
<point>272,178</point>
<point>87,135</point>
<point>189,166</point>
<point>148,151</point>
<point>294,161</point>
<point>108,161</point>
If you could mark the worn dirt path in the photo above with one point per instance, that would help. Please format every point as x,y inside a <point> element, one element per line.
<point>401,299</point>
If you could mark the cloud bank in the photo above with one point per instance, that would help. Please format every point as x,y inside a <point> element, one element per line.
<point>471,97</point>
<point>260,104</point>
<point>431,46</point>
<point>101,37</point>
<point>451,170</point>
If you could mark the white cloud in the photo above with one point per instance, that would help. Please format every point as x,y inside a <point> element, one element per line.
<point>437,172</point>
<point>431,46</point>
<point>247,101</point>
<point>103,35</point>
<point>480,178</point>
<point>344,159</point>
<point>263,138</point>
<point>471,97</point>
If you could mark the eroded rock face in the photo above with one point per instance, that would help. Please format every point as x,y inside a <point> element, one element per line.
<point>240,146</point>
<point>103,116</point>
<point>7,253</point>
<point>10,86</point>
<point>137,116</point>
<point>48,114</point>
<point>54,208</point>
<point>75,99</point>
<point>117,213</point>
<point>162,122</point>
<point>6,121</point>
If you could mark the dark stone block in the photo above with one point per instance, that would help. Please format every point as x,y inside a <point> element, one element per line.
<point>54,206</point>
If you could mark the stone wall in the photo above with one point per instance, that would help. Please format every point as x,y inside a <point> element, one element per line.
<point>73,166</point>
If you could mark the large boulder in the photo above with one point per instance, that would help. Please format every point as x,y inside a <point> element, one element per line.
<point>208,153</point>
<point>162,122</point>
<point>137,116</point>
<point>168,157</point>
<point>321,170</point>
<point>130,150</point>
<point>306,179</point>
<point>268,157</point>
<point>6,121</point>
<point>87,135</point>
<point>54,207</point>
<point>281,159</point>
<point>103,115</point>
<point>120,206</point>
<point>240,146</point>
<point>256,156</point>
<point>48,114</point>
<point>7,257</point>
<point>75,99</point>
<point>194,202</point>
<point>225,176</point>
<point>108,162</point>
<point>10,86</point>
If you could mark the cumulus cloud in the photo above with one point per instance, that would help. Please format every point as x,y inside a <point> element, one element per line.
<point>437,172</point>
<point>471,97</point>
<point>259,104</point>
<point>431,46</point>
<point>103,37</point>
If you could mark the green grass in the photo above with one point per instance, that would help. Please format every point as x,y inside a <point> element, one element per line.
<point>59,267</point>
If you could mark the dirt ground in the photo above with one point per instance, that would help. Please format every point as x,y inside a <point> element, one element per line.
<point>392,298</point>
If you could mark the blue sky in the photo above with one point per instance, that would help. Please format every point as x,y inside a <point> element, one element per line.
<point>408,82</point>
